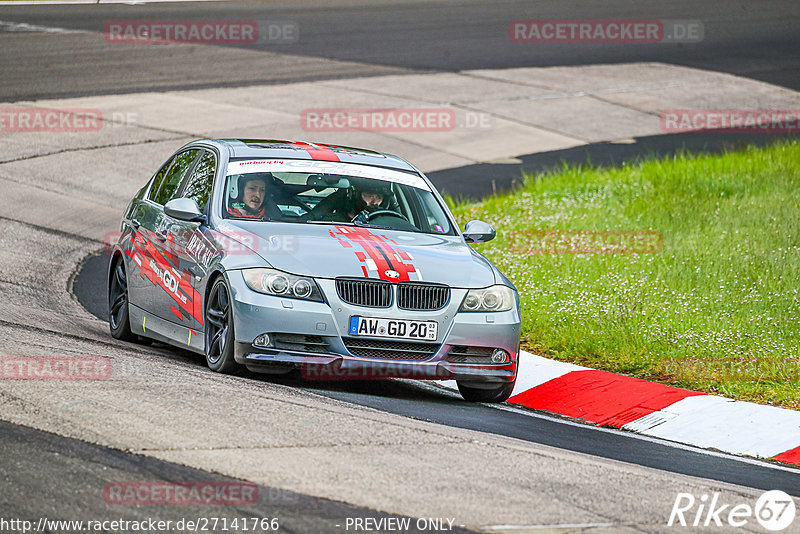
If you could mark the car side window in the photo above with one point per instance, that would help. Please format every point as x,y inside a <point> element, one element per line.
<point>159,177</point>
<point>169,185</point>
<point>198,186</point>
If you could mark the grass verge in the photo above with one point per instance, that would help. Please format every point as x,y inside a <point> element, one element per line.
<point>716,310</point>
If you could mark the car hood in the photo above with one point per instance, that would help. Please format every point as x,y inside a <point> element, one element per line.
<point>330,251</point>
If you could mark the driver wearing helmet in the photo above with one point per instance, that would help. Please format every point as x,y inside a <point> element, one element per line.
<point>253,201</point>
<point>370,196</point>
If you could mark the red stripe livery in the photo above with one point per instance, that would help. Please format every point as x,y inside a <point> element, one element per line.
<point>156,268</point>
<point>377,248</point>
<point>318,152</point>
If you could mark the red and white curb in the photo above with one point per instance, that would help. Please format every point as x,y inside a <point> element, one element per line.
<point>652,409</point>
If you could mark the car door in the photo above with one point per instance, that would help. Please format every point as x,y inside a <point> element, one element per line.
<point>190,244</point>
<point>141,221</point>
<point>168,282</point>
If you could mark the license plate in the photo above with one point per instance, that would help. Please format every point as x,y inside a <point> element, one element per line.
<point>396,328</point>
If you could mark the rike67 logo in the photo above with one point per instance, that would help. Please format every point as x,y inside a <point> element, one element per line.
<point>774,511</point>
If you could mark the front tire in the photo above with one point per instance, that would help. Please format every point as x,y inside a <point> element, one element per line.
<point>119,321</point>
<point>219,336</point>
<point>496,394</point>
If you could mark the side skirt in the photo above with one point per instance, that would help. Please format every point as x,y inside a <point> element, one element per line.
<point>148,325</point>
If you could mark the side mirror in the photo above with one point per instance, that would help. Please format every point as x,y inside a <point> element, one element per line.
<point>478,232</point>
<point>184,209</point>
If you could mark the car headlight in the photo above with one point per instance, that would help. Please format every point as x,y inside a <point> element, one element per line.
<point>280,284</point>
<point>491,299</point>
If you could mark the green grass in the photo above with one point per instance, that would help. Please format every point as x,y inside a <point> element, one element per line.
<point>717,310</point>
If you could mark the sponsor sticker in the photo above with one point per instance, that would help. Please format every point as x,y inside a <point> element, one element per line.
<point>327,167</point>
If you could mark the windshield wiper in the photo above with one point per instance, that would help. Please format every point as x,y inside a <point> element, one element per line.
<point>370,225</point>
<point>338,223</point>
<point>348,223</point>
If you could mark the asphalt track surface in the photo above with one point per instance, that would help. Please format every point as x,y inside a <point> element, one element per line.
<point>66,468</point>
<point>753,39</point>
<point>363,38</point>
<point>410,399</point>
<point>757,40</point>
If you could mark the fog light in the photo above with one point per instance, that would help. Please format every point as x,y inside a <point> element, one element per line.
<point>500,356</point>
<point>263,341</point>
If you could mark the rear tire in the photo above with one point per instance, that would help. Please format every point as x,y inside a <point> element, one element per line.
<point>496,394</point>
<point>119,320</point>
<point>219,335</point>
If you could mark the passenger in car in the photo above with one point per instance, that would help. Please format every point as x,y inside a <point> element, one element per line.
<point>254,199</point>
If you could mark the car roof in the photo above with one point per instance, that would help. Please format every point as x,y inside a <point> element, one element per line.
<point>277,148</point>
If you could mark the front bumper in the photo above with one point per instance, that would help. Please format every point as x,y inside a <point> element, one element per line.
<point>328,322</point>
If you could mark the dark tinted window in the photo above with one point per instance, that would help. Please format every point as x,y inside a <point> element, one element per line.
<point>182,163</point>
<point>158,179</point>
<point>198,187</point>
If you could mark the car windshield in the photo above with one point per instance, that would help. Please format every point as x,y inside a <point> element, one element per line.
<point>270,193</point>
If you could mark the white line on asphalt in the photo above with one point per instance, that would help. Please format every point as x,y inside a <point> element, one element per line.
<point>22,27</point>
<point>523,528</point>
<point>68,2</point>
